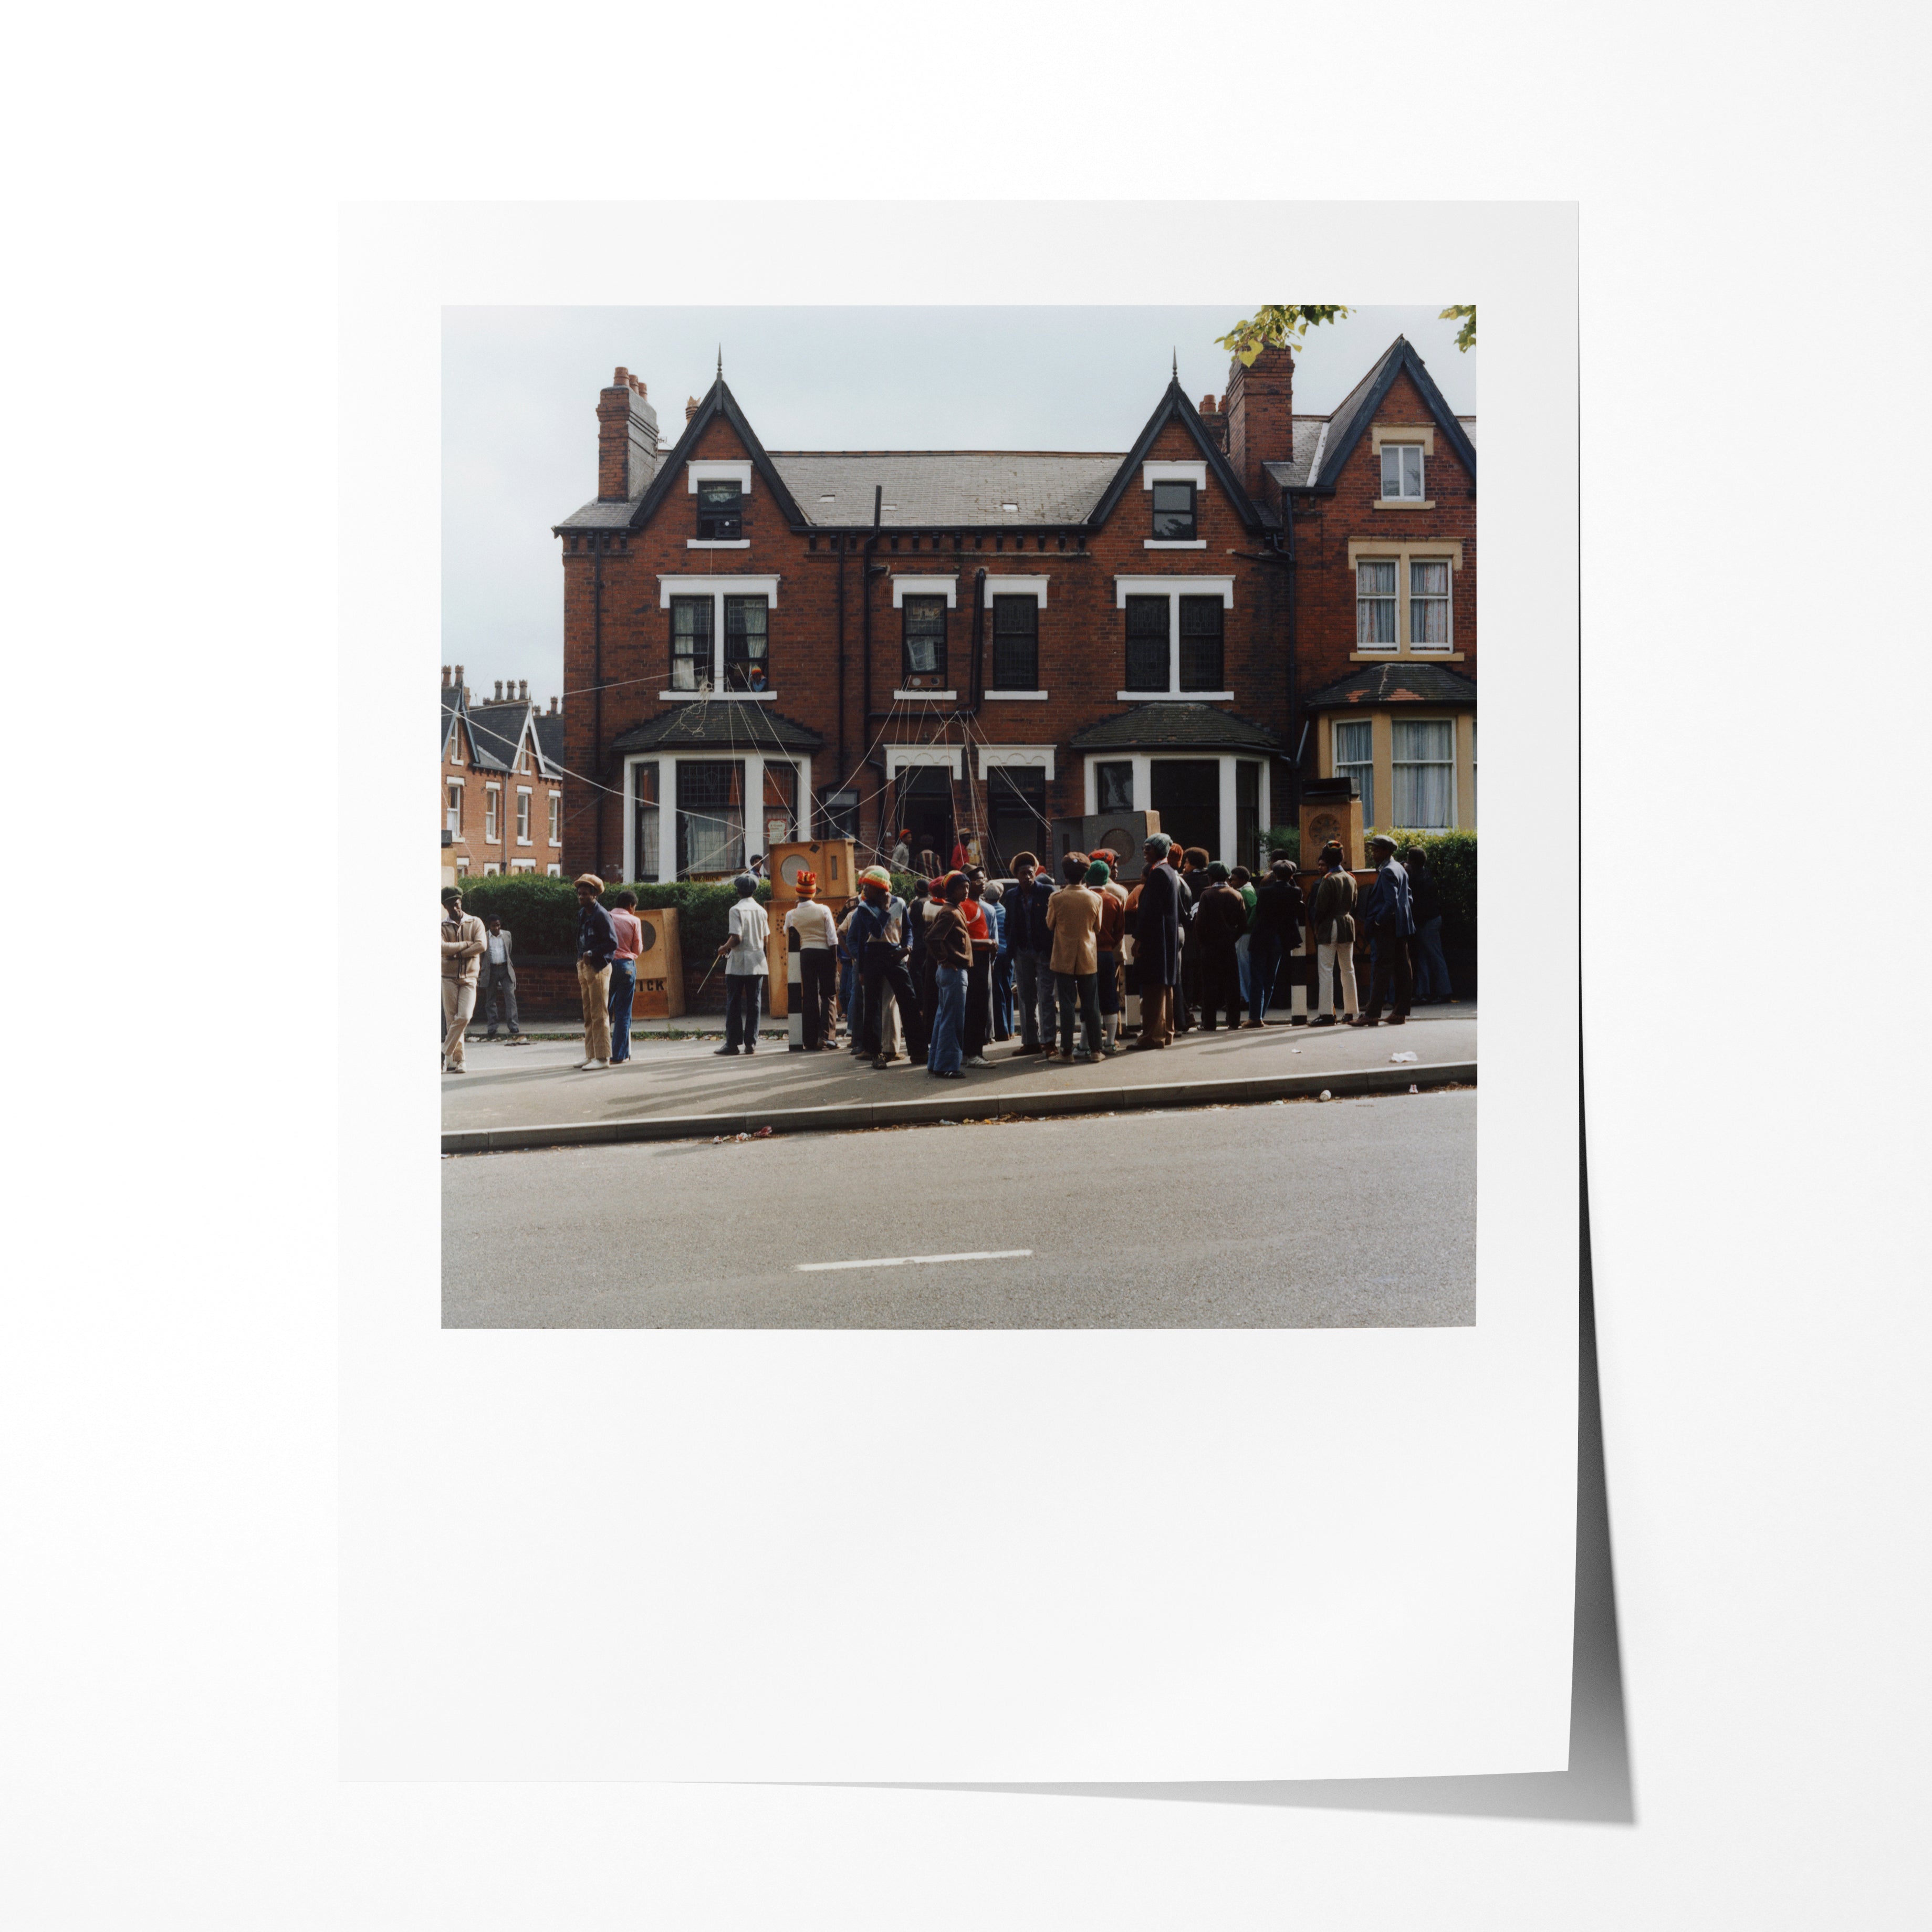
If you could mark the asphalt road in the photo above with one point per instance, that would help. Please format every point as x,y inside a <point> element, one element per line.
<point>1270,1216</point>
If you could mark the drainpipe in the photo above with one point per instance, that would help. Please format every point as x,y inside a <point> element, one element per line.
<point>599,763</point>
<point>840,765</point>
<point>865,603</point>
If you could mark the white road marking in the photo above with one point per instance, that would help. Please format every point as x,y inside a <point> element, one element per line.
<point>900,1260</point>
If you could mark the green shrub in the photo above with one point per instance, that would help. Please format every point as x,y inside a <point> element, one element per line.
<point>1452,860</point>
<point>1282,842</point>
<point>542,911</point>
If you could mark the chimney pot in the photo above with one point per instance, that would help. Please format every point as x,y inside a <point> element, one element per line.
<point>1207,406</point>
<point>459,674</point>
<point>627,439</point>
<point>691,407</point>
<point>621,378</point>
<point>523,690</point>
<point>498,698</point>
<point>445,677</point>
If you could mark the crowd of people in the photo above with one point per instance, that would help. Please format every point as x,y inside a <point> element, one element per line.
<point>967,962</point>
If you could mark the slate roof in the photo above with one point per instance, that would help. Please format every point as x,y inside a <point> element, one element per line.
<point>726,724</point>
<point>452,704</point>
<point>1293,475</point>
<point>1162,727</point>
<point>550,738</point>
<point>496,730</point>
<point>925,487</point>
<point>1406,682</point>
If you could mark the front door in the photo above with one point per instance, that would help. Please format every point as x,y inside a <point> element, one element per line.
<point>1186,793</point>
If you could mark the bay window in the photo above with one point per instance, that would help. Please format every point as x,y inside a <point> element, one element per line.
<point>1355,758</point>
<point>1424,773</point>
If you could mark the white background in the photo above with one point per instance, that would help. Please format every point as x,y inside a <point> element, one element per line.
<point>1751,296</point>
<point>1284,1553</point>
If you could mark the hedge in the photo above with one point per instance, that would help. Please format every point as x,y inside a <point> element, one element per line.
<point>542,911</point>
<point>1452,860</point>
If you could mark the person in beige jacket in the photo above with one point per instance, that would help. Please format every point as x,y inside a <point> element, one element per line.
<point>463,945</point>
<point>1073,919</point>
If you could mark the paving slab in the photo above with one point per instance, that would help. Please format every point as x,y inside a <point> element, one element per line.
<point>534,1095</point>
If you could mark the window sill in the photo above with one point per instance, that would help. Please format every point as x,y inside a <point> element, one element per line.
<point>1015,696</point>
<point>1175,543</point>
<point>717,543</point>
<point>931,695</point>
<point>717,697</point>
<point>1406,657</point>
<point>1403,503</point>
<point>1175,697</point>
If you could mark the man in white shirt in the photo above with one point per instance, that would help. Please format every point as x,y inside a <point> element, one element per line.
<point>743,953</point>
<point>499,980</point>
<point>817,962</point>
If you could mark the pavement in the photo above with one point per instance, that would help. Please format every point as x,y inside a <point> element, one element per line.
<point>1238,1217</point>
<point>534,1094</point>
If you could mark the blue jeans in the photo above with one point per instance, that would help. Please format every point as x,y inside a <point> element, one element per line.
<point>1432,970</point>
<point>948,1019</point>
<point>1243,963</point>
<point>1003,996</point>
<point>1033,987</point>
<point>743,993</point>
<point>623,984</point>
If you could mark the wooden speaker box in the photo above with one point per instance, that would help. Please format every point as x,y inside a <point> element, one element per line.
<point>830,859</point>
<point>1122,833</point>
<point>660,988</point>
<point>1330,809</point>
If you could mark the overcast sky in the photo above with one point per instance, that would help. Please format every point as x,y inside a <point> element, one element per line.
<point>520,402</point>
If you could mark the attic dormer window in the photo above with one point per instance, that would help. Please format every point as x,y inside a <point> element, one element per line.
<point>1402,472</point>
<point>1174,512</point>
<point>721,505</point>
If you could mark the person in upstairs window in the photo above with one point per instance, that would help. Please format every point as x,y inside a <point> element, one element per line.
<point>462,944</point>
<point>817,950</point>
<point>630,931</point>
<point>745,967</point>
<point>498,990</point>
<point>596,947</point>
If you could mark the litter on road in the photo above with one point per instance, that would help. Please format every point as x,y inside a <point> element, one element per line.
<point>900,1261</point>
<point>1396,1059</point>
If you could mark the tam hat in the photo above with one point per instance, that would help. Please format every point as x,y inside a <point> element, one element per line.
<point>1098,873</point>
<point>876,875</point>
<point>806,885</point>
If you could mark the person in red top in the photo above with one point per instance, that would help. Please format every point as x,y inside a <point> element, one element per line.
<point>630,931</point>
<point>979,1022</point>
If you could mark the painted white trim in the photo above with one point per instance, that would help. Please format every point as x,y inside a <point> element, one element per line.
<point>923,697</point>
<point>1174,543</point>
<point>1173,697</point>
<point>926,586</point>
<point>717,543</point>
<point>697,472</point>
<point>899,757</point>
<point>1034,587</point>
<point>1321,445</point>
<point>675,583</point>
<point>1176,472</point>
<point>1422,432</point>
<point>718,696</point>
<point>1125,587</point>
<point>1034,755</point>
<point>1015,696</point>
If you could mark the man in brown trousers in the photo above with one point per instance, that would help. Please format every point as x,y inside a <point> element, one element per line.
<point>462,944</point>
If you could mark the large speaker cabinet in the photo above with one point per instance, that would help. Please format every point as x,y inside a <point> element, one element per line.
<point>831,859</point>
<point>660,988</point>
<point>1122,833</point>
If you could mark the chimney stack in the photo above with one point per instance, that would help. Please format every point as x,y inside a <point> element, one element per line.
<point>1260,409</point>
<point>445,677</point>
<point>627,439</point>
<point>498,698</point>
<point>553,707</point>
<point>692,406</point>
<point>458,678</point>
<point>1215,422</point>
<point>523,690</point>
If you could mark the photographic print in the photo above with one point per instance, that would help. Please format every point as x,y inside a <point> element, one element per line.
<point>971,822</point>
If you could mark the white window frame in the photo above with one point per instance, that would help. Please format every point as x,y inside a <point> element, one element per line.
<point>993,756</point>
<point>553,871</point>
<point>524,808</point>
<point>1402,497</point>
<point>452,803</point>
<point>1407,615</point>
<point>1401,554</point>
<point>945,586</point>
<point>1195,473</point>
<point>557,818</point>
<point>1447,718</point>
<point>456,745</point>
<point>667,762</point>
<point>1015,587</point>
<point>672,584</point>
<point>1340,766</point>
<point>1398,566</point>
<point>523,865</point>
<point>493,814</point>
<point>1174,589</point>
<point>491,869</point>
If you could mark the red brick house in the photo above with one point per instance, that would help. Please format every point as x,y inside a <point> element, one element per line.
<point>502,781</point>
<point>793,642</point>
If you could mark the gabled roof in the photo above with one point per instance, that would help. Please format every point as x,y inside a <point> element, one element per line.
<point>548,727</point>
<point>725,724</point>
<point>1353,415</point>
<point>718,402</point>
<point>1165,726</point>
<point>969,488</point>
<point>497,732</point>
<point>453,709</point>
<point>1175,406</point>
<point>1405,681</point>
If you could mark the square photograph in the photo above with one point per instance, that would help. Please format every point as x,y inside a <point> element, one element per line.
<point>982,834</point>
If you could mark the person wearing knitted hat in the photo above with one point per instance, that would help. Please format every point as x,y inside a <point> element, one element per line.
<point>878,930</point>
<point>745,967</point>
<point>1107,953</point>
<point>817,953</point>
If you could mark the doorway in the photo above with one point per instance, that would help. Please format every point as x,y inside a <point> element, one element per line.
<point>926,810</point>
<point>1186,793</point>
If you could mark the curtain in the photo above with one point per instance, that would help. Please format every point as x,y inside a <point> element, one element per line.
<point>1375,601</point>
<point>1429,603</point>
<point>1354,758</point>
<point>1425,774</point>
